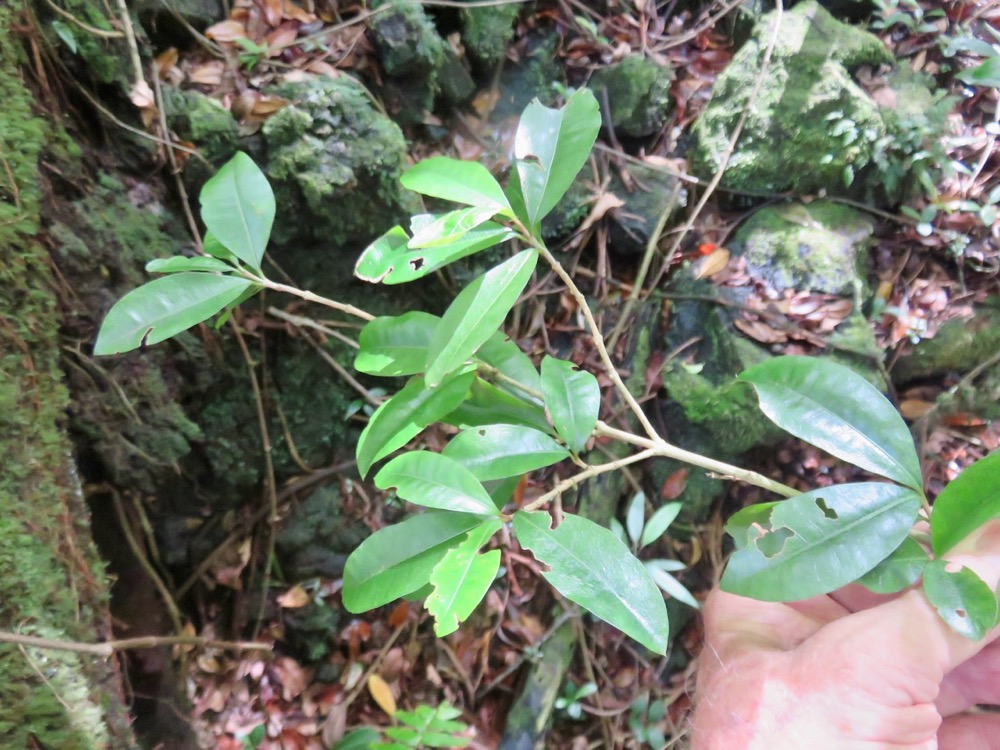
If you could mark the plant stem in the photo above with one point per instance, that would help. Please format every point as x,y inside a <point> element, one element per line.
<point>308,296</point>
<point>589,472</point>
<point>107,648</point>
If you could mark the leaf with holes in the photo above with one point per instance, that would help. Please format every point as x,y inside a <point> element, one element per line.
<point>396,345</point>
<point>237,206</point>
<point>898,571</point>
<point>435,481</point>
<point>573,399</point>
<point>816,542</point>
<point>449,228</point>
<point>164,307</point>
<point>462,579</point>
<point>590,566</point>
<point>476,313</point>
<point>966,503</point>
<point>962,598</point>
<point>465,182</point>
<point>398,560</point>
<point>498,451</point>
<point>835,409</point>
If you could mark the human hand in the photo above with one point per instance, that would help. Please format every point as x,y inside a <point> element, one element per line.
<point>848,671</point>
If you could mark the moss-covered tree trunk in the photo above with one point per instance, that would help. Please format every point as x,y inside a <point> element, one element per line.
<point>52,584</point>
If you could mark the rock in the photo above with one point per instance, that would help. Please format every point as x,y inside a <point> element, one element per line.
<point>537,75</point>
<point>411,51</point>
<point>486,32</point>
<point>959,346</point>
<point>203,121</point>
<point>316,538</point>
<point>811,127</point>
<point>155,15</point>
<point>631,226</point>
<point>334,162</point>
<point>637,91</point>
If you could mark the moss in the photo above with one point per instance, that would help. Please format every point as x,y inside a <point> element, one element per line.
<point>411,52</point>
<point>811,127</point>
<point>487,31</point>
<point>538,75</point>
<point>638,95</point>
<point>632,224</point>
<point>104,61</point>
<point>958,346</point>
<point>203,121</point>
<point>334,162</point>
<point>819,247</point>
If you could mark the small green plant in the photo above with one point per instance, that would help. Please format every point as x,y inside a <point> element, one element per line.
<point>423,727</point>
<point>514,417</point>
<point>571,700</point>
<point>907,14</point>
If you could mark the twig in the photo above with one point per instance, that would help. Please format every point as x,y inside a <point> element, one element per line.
<point>300,322</point>
<point>308,296</point>
<point>102,33</point>
<point>591,471</point>
<point>125,644</point>
<point>133,47</point>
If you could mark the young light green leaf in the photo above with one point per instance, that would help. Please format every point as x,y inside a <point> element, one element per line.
<point>476,313</point>
<point>435,481</point>
<point>551,147</point>
<point>502,354</point>
<point>180,263</point>
<point>962,598</point>
<point>408,412</point>
<point>396,345</point>
<point>498,451</point>
<point>573,398</point>
<point>65,33</point>
<point>634,517</point>
<point>164,307</point>
<point>835,409</point>
<point>987,73</point>
<point>966,503</point>
<point>487,404</point>
<point>450,227</point>
<point>816,542</point>
<point>398,560</point>
<point>591,567</point>
<point>898,571</point>
<point>465,182</point>
<point>462,579</point>
<point>740,524</point>
<point>358,739</point>
<point>388,260</point>
<point>237,206</point>
<point>659,522</point>
<point>660,572</point>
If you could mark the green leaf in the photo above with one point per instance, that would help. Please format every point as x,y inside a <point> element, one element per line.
<point>388,260</point>
<point>486,404</point>
<point>465,182</point>
<point>835,409</point>
<point>404,415</point>
<point>551,147</point>
<point>435,481</point>
<point>65,33</point>
<point>164,307</point>
<point>502,354</point>
<point>462,579</point>
<point>986,73</point>
<point>359,739</point>
<point>211,246</point>
<point>962,598</point>
<point>966,503</point>
<point>450,227</point>
<point>398,560</point>
<point>659,523</point>
<point>573,399</point>
<point>634,517</point>
<point>476,313</point>
<point>659,570</point>
<point>237,206</point>
<point>816,542</point>
<point>740,523</point>
<point>397,345</point>
<point>590,566</point>
<point>498,451</point>
<point>183,263</point>
<point>898,571</point>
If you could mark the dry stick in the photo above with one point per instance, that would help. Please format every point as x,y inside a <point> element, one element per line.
<point>109,647</point>
<point>591,471</point>
<point>133,47</point>
<point>730,148</point>
<point>300,322</point>
<point>693,33</point>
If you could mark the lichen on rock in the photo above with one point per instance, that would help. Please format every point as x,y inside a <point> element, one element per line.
<point>637,91</point>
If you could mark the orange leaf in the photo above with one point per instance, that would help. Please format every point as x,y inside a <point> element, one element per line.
<point>273,12</point>
<point>399,614</point>
<point>226,31</point>
<point>166,60</point>
<point>294,598</point>
<point>382,694</point>
<point>296,13</point>
<point>712,263</point>
<point>209,74</point>
<point>675,484</point>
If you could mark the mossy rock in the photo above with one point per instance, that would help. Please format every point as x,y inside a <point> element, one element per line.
<point>203,121</point>
<point>637,91</point>
<point>959,346</point>
<point>632,225</point>
<point>811,127</point>
<point>317,537</point>
<point>334,162</point>
<point>536,76</point>
<point>100,59</point>
<point>486,32</point>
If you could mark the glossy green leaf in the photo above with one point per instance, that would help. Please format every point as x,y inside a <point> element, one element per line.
<point>462,579</point>
<point>211,246</point>
<point>659,522</point>
<point>898,571</point>
<point>180,263</point>
<point>396,345</point>
<point>966,503</point>
<point>551,146</point>
<point>498,451</point>
<point>590,566</point>
<point>476,313</point>
<point>450,227</point>
<point>739,524</point>
<point>435,481</point>
<point>358,739</point>
<point>398,560</point>
<point>573,399</point>
<point>486,404</point>
<point>660,571</point>
<point>164,307</point>
<point>816,542</point>
<point>65,33</point>
<point>388,260</point>
<point>408,412</point>
<point>635,515</point>
<point>237,206</point>
<point>505,356</point>
<point>987,73</point>
<point>465,182</point>
<point>835,409</point>
<point>502,490</point>
<point>962,598</point>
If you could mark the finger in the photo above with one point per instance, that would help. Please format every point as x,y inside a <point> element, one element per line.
<point>736,621</point>
<point>970,732</point>
<point>973,683</point>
